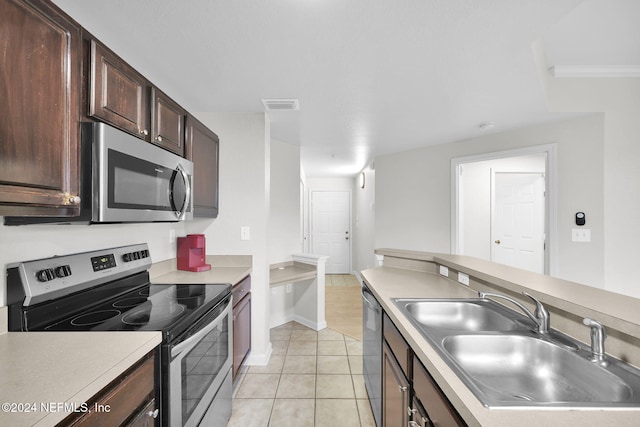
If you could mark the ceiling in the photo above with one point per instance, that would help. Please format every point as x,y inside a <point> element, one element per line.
<point>371,76</point>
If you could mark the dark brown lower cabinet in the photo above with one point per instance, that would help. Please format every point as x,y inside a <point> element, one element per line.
<point>395,391</point>
<point>410,397</point>
<point>127,401</point>
<point>430,407</point>
<point>241,323</point>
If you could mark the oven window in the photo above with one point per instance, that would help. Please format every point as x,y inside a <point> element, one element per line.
<point>201,366</point>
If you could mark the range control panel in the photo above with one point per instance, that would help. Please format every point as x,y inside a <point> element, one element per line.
<point>54,277</point>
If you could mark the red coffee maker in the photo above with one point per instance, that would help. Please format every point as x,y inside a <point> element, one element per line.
<point>192,253</point>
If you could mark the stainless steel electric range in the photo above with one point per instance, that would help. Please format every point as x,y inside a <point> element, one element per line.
<point>109,290</point>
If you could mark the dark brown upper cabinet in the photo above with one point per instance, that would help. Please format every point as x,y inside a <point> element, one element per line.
<point>117,93</point>
<point>40,81</point>
<point>167,118</point>
<point>122,97</point>
<point>203,149</point>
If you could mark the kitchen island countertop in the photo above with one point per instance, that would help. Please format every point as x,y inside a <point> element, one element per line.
<point>400,281</point>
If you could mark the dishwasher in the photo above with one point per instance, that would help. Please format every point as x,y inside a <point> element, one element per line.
<point>372,351</point>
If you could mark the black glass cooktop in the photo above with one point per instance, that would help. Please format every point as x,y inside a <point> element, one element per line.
<point>167,308</point>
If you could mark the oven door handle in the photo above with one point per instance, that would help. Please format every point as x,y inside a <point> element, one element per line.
<point>195,338</point>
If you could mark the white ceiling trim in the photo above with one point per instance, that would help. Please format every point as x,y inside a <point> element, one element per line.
<point>563,71</point>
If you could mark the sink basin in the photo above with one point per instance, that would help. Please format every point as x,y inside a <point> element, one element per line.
<point>512,367</point>
<point>464,315</point>
<point>497,353</point>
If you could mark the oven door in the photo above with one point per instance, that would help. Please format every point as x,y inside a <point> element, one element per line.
<point>200,362</point>
<point>135,181</point>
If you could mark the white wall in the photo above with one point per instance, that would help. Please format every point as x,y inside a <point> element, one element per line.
<point>285,217</point>
<point>27,242</point>
<point>476,200</point>
<point>284,222</point>
<point>619,100</point>
<point>364,222</point>
<point>413,192</point>
<point>244,201</point>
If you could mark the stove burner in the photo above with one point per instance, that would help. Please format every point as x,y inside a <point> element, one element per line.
<point>143,316</point>
<point>129,302</point>
<point>94,318</point>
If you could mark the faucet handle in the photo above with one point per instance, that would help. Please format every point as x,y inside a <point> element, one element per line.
<point>541,313</point>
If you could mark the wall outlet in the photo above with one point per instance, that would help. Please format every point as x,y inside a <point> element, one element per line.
<point>463,278</point>
<point>444,270</point>
<point>289,288</point>
<point>245,233</point>
<point>172,235</point>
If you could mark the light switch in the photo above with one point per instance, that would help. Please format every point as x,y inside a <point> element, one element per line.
<point>580,235</point>
<point>245,233</point>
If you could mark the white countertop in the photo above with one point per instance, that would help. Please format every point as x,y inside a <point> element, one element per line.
<point>224,269</point>
<point>392,282</point>
<point>41,371</point>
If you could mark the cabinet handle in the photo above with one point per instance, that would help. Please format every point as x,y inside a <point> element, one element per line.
<point>497,242</point>
<point>402,388</point>
<point>159,138</point>
<point>144,132</point>
<point>411,411</point>
<point>153,414</point>
<point>71,199</point>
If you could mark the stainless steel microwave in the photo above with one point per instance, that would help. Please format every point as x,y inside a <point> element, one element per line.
<point>135,181</point>
<point>126,179</point>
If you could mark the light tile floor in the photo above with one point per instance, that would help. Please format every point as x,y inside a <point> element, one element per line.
<point>341,280</point>
<point>313,379</point>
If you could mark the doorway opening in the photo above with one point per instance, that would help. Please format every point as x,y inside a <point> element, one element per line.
<point>503,206</point>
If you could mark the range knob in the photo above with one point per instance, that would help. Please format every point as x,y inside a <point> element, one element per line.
<point>127,257</point>
<point>45,275</point>
<point>63,271</point>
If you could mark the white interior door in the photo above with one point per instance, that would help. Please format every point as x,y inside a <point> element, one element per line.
<point>517,220</point>
<point>330,229</point>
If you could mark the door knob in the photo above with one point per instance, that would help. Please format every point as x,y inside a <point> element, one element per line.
<point>497,241</point>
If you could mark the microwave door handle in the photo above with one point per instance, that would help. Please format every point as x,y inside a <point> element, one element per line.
<point>187,193</point>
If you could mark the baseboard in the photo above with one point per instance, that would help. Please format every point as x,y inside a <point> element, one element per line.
<point>316,326</point>
<point>260,359</point>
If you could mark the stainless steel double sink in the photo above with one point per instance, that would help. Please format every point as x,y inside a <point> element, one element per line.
<point>498,354</point>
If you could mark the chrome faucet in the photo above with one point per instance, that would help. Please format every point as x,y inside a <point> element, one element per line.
<point>540,316</point>
<point>598,336</point>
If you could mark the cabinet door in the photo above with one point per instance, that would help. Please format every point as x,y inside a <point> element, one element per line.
<point>124,399</point>
<point>167,122</point>
<point>437,406</point>
<point>241,332</point>
<point>40,80</point>
<point>203,149</point>
<point>395,391</point>
<point>118,95</point>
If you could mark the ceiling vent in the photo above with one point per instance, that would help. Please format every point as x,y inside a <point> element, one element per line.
<point>281,104</point>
